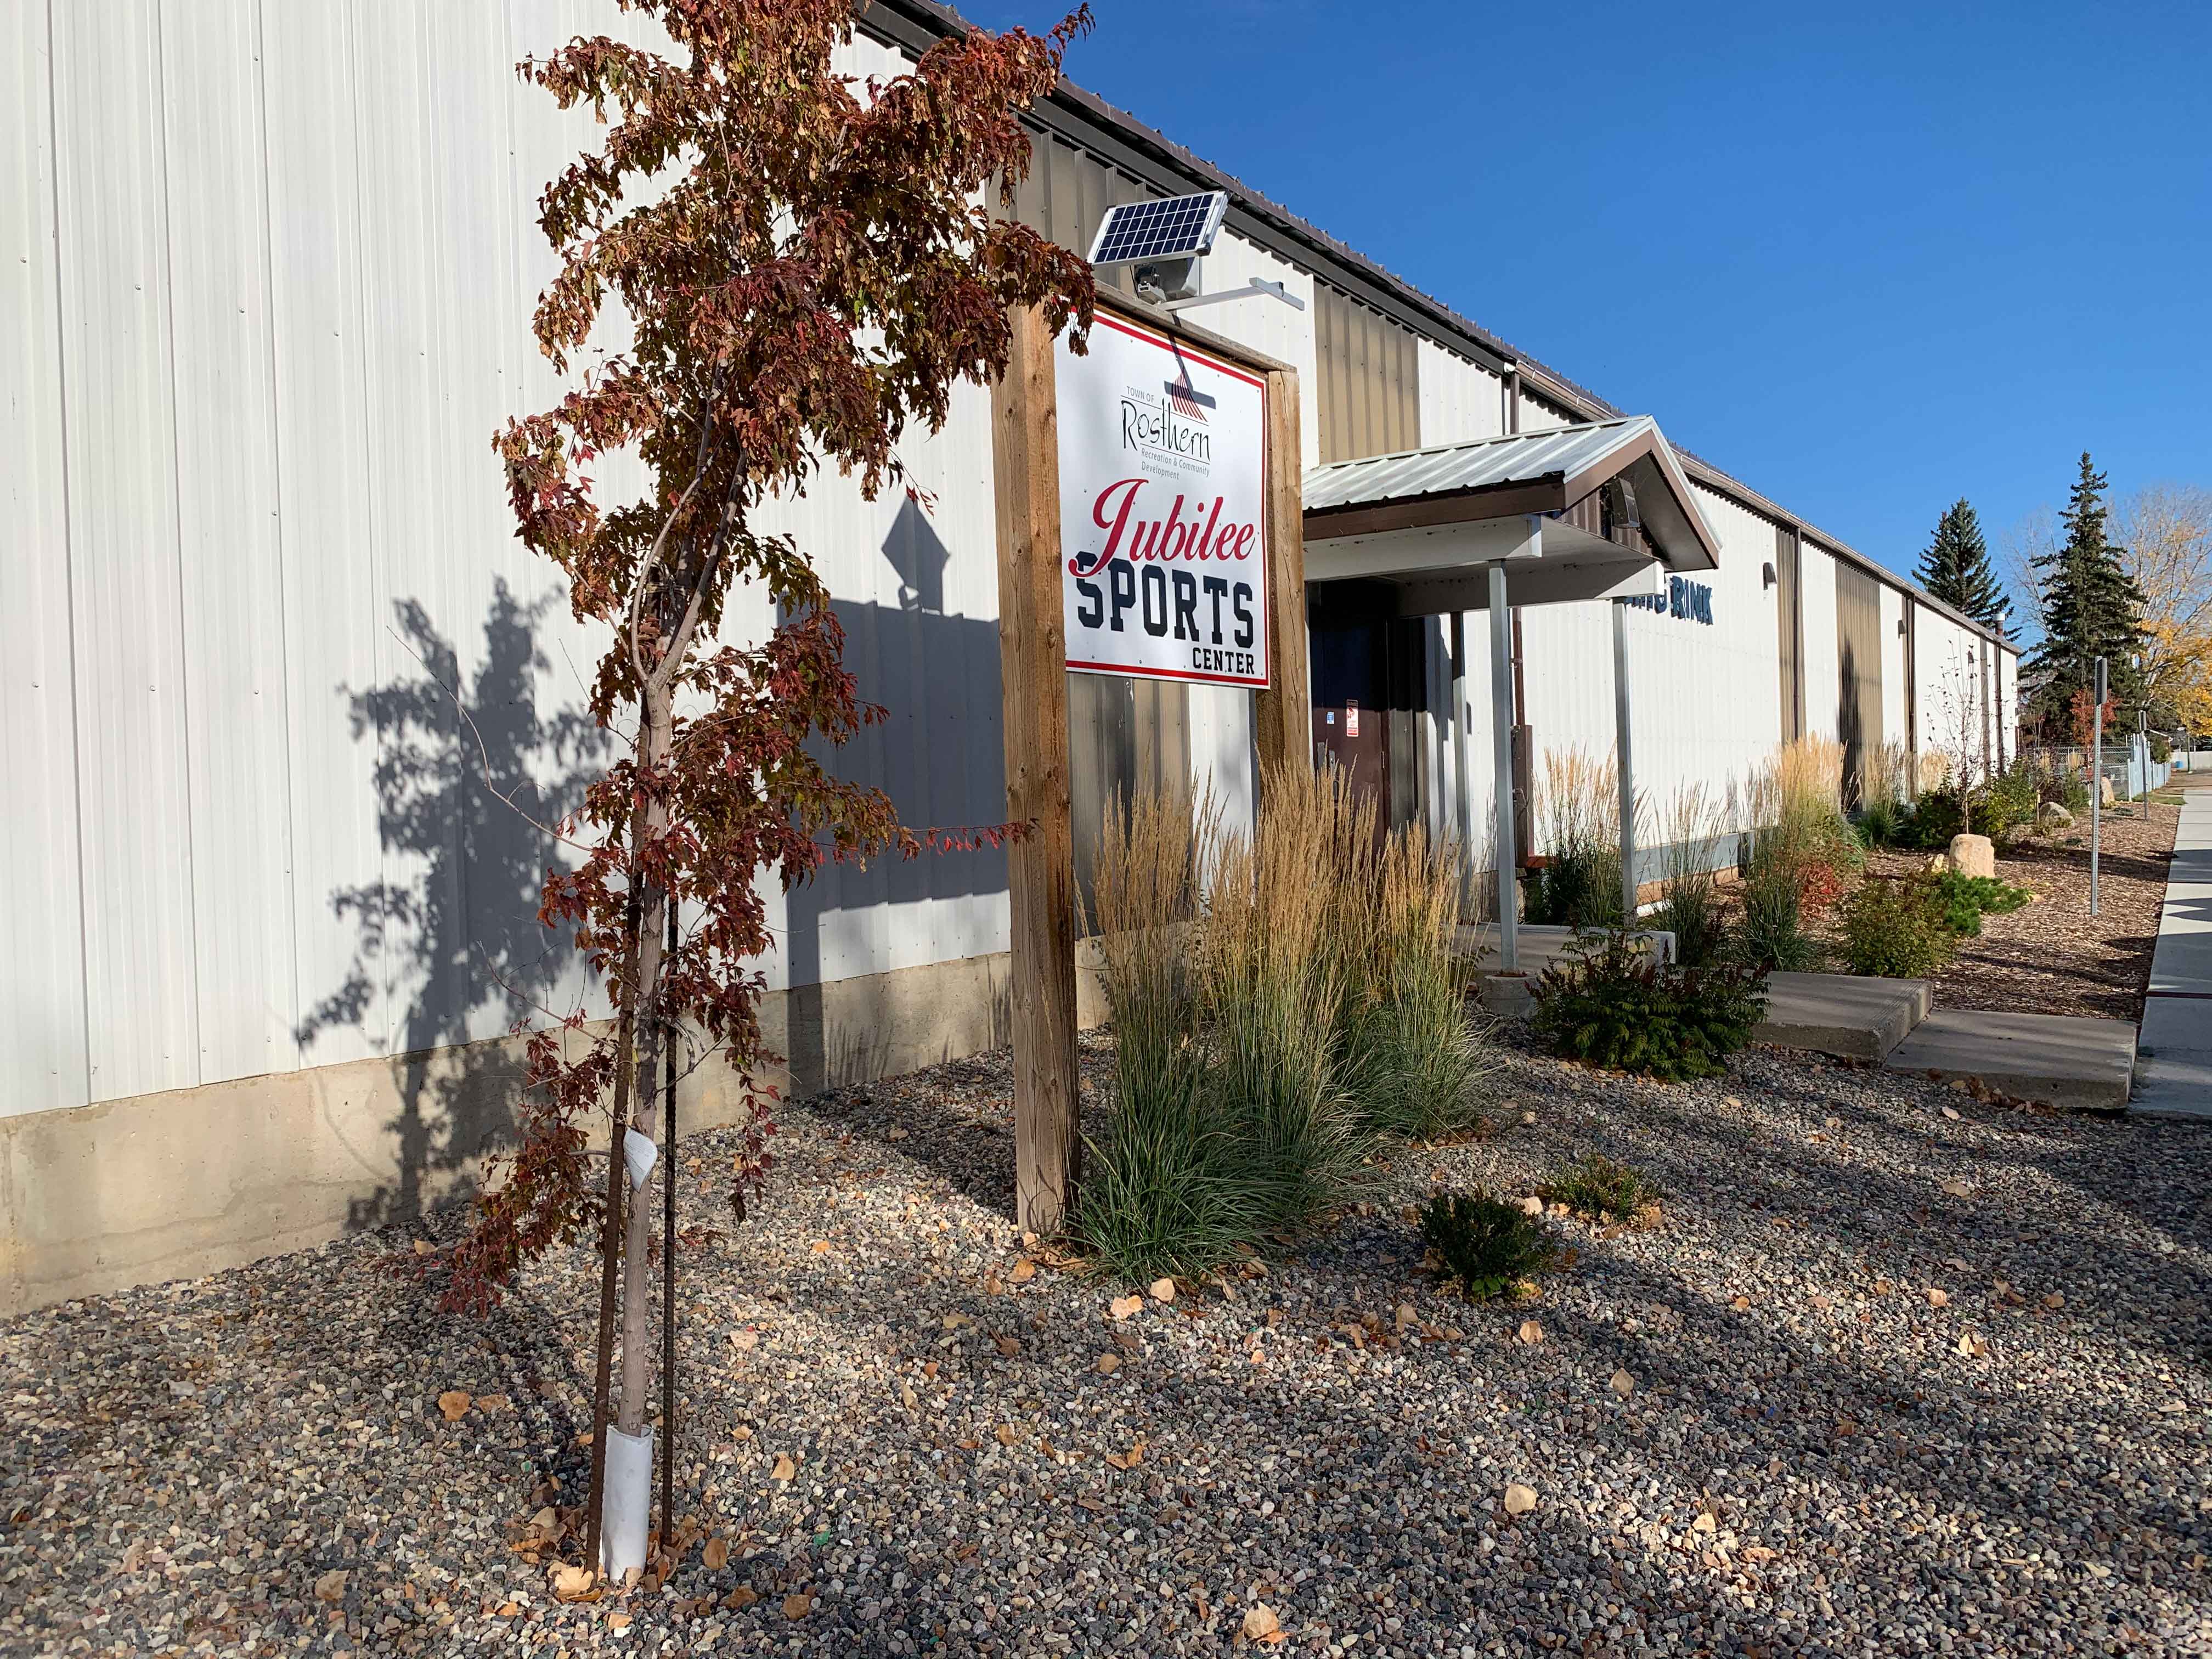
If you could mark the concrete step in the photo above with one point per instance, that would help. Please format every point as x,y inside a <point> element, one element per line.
<point>2065,1060</point>
<point>1842,1014</point>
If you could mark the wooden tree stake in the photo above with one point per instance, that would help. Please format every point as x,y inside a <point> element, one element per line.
<point>1281,715</point>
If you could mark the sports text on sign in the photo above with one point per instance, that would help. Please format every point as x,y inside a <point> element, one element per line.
<point>1162,492</point>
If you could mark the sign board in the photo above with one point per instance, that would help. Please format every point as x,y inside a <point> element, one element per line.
<point>1163,509</point>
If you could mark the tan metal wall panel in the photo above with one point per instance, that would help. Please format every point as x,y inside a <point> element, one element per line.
<point>1789,630</point>
<point>1369,373</point>
<point>1858,665</point>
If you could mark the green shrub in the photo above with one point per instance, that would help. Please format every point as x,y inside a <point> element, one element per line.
<point>1490,1246</point>
<point>1769,936</point>
<point>1609,1003</point>
<point>2009,801</point>
<point>1895,930</point>
<point>1966,899</point>
<point>2071,791</point>
<point>2161,748</point>
<point>1597,1186</point>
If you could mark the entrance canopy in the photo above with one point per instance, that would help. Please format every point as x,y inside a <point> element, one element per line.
<point>1600,511</point>
<point>1590,511</point>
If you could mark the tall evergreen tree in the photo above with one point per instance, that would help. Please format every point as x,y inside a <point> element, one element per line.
<point>1955,568</point>
<point>2092,607</point>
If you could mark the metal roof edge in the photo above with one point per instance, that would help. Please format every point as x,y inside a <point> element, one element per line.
<point>918,24</point>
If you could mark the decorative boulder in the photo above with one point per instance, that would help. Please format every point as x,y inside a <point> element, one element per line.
<point>2104,792</point>
<point>1973,855</point>
<point>2053,815</point>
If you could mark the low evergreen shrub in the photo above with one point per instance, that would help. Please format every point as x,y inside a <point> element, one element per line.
<point>1603,1188</point>
<point>1895,929</point>
<point>1490,1246</point>
<point>1609,1003</point>
<point>1966,899</point>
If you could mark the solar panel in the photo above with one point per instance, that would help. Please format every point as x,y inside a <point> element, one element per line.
<point>1177,228</point>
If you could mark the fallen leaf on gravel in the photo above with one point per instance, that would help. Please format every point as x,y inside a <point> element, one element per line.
<point>1958,1188</point>
<point>1531,1333</point>
<point>424,1247</point>
<point>1123,1306</point>
<point>1951,1112</point>
<point>1404,1318</point>
<point>1109,1364</point>
<point>1821,1303</point>
<point>798,1606</point>
<point>618,1621</point>
<point>1757,1553</point>
<point>1128,1340</point>
<point>508,1609</point>
<point>953,1321</point>
<point>1971,1346</point>
<point>1527,1119</point>
<point>743,1596</point>
<point>1163,1290</point>
<point>2054,1300</point>
<point>1883,1288</point>
<point>1532,1205</point>
<point>1005,1433</point>
<point>571,1582</point>
<point>1740,1303</point>
<point>1938,1298</point>
<point>331,1586</point>
<point>493,1402</point>
<point>1519,1499</point>
<point>1024,1271</point>
<point>454,1403</point>
<point>1261,1624</point>
<point>820,1247</point>
<point>716,1555</point>
<point>1705,1522</point>
<point>546,1524</point>
<point>785,1468</point>
<point>908,1397</point>
<point>1623,1384</point>
<point>1008,1346</point>
<point>894,1134</point>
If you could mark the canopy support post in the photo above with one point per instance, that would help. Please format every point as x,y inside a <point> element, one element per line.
<point>1620,723</point>
<point>1501,752</point>
<point>1462,786</point>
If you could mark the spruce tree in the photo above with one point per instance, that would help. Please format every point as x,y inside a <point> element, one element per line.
<point>2091,608</point>
<point>1955,568</point>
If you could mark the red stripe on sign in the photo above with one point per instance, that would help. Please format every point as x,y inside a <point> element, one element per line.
<point>1168,674</point>
<point>1168,344</point>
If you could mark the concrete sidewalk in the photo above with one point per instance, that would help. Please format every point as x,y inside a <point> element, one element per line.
<point>2174,1049</point>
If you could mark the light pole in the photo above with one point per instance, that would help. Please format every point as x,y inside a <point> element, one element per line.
<point>2096,785</point>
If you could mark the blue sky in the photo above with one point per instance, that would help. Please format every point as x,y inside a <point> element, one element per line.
<point>1869,259</point>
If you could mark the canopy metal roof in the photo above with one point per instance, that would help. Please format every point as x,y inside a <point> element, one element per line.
<point>1584,512</point>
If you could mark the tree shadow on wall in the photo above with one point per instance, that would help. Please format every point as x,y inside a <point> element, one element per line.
<point>448,950</point>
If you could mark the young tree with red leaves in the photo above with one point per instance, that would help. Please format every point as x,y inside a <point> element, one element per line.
<point>806,266</point>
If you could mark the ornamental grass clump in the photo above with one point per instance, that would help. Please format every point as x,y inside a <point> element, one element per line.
<point>1492,1248</point>
<point>1602,1190</point>
<point>1690,906</point>
<point>1411,1057</point>
<point>1171,1189</point>
<point>1270,982</point>
<point>1610,1004</point>
<point>1578,828</point>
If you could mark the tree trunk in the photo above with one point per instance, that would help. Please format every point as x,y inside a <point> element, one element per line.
<point>637,1283</point>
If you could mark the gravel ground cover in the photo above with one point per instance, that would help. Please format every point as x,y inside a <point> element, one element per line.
<point>2053,957</point>
<point>1900,1373</point>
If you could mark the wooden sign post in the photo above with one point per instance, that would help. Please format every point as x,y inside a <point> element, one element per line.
<point>1033,669</point>
<point>1041,864</point>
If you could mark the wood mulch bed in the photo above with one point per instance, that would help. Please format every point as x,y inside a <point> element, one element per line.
<point>2053,956</point>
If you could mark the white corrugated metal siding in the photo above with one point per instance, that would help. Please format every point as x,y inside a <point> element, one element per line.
<point>269,283</point>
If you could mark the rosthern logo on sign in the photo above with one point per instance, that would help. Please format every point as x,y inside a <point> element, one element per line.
<point>1686,600</point>
<point>1163,483</point>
